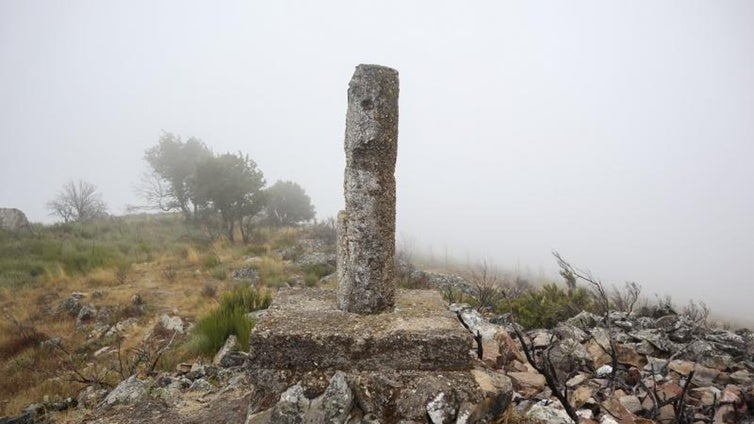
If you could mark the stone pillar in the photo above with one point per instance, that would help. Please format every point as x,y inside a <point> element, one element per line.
<point>366,229</point>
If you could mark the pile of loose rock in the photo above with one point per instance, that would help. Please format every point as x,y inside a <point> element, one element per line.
<point>624,368</point>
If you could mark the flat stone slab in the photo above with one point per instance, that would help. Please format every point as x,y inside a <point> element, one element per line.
<point>304,330</point>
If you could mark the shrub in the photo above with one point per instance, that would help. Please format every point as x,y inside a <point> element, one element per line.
<point>219,273</point>
<point>210,262</point>
<point>256,250</point>
<point>310,279</point>
<point>209,290</point>
<point>231,317</point>
<point>250,298</point>
<point>319,270</point>
<point>170,273</point>
<point>326,231</point>
<point>272,272</point>
<point>546,307</point>
<point>122,271</point>
<point>212,330</point>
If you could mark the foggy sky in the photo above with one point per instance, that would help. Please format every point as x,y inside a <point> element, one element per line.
<point>619,133</point>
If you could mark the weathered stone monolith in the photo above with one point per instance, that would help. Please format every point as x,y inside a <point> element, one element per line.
<point>366,228</point>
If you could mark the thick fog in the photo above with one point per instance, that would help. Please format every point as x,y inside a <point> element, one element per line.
<point>619,133</point>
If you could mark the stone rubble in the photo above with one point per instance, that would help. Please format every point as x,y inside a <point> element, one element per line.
<point>660,361</point>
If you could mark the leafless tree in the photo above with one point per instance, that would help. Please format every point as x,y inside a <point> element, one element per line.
<point>600,295</point>
<point>486,285</point>
<point>542,363</point>
<point>624,300</point>
<point>78,201</point>
<point>156,192</point>
<point>698,312</point>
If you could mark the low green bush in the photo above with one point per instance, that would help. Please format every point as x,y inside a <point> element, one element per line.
<point>231,317</point>
<point>248,297</point>
<point>546,307</point>
<point>211,331</point>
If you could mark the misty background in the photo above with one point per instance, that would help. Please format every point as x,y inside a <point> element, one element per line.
<point>620,134</point>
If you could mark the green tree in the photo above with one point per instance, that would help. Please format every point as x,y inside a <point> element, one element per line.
<point>170,184</point>
<point>288,204</point>
<point>229,185</point>
<point>77,202</point>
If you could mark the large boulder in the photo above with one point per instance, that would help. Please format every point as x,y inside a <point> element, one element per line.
<point>13,219</point>
<point>129,391</point>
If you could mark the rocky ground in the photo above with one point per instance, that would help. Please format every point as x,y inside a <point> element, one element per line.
<point>623,369</point>
<point>619,368</point>
<point>616,369</point>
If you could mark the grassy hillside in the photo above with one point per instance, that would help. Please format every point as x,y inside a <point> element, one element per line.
<point>127,274</point>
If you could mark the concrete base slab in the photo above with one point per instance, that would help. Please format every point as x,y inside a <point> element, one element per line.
<point>304,330</point>
<point>478,395</point>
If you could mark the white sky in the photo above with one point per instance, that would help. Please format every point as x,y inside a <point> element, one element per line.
<point>618,133</point>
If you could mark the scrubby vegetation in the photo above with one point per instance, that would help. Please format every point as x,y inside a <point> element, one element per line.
<point>542,304</point>
<point>231,317</point>
<point>83,303</point>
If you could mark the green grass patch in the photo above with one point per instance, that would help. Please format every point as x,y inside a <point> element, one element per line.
<point>231,317</point>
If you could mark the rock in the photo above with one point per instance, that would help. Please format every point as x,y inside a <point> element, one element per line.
<point>508,348</point>
<point>498,392</point>
<point>705,353</point>
<point>12,219</point>
<point>86,315</point>
<point>291,408</point>
<point>129,391</point>
<point>245,274</point>
<point>656,337</point>
<point>202,385</point>
<point>119,327</point>
<point>616,408</point>
<point>321,259</point>
<point>90,397</point>
<point>335,404</point>
<point>706,396</point>
<point>72,304</point>
<point>703,376</point>
<point>607,419</point>
<point>565,331</point>
<point>541,338</point>
<point>584,320</point>
<point>474,321</point>
<point>604,371</point>
<point>529,383</point>
<point>576,380</point>
<point>598,347</point>
<point>443,282</point>
<point>655,365</point>
<point>628,355</point>
<point>229,355</point>
<point>631,403</point>
<point>727,342</point>
<point>491,353</point>
<point>439,411</point>
<point>52,342</point>
<point>568,354</point>
<point>667,414</point>
<point>549,414</point>
<point>741,377</point>
<point>581,395</point>
<point>101,351</point>
<point>174,323</point>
